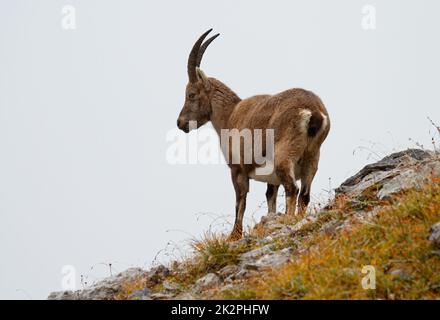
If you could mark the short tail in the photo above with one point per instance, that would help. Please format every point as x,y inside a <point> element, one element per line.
<point>315,123</point>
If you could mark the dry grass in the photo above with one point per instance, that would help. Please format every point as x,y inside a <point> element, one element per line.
<point>258,231</point>
<point>212,252</point>
<point>394,242</point>
<point>215,252</point>
<point>130,287</point>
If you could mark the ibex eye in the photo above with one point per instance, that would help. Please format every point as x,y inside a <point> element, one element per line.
<point>191,96</point>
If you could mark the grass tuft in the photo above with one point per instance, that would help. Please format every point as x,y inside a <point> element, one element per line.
<point>213,252</point>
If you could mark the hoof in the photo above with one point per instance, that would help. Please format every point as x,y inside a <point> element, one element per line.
<point>235,235</point>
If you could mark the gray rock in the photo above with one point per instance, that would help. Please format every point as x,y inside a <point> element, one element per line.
<point>227,287</point>
<point>406,179</point>
<point>253,254</point>
<point>171,287</point>
<point>270,217</point>
<point>66,295</point>
<point>434,234</point>
<point>386,164</point>
<point>278,229</point>
<point>102,290</point>
<point>228,270</point>
<point>247,266</point>
<point>243,273</point>
<point>276,259</point>
<point>368,181</point>
<point>272,260</point>
<point>157,275</point>
<point>143,294</point>
<point>242,242</point>
<point>161,296</point>
<point>208,281</point>
<point>383,170</point>
<point>300,224</point>
<point>264,241</point>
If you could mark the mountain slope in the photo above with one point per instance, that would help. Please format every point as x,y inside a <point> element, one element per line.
<point>380,231</point>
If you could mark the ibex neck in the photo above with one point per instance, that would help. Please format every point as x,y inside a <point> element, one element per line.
<point>223,102</point>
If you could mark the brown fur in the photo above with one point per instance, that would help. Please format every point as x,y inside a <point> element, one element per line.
<point>300,122</point>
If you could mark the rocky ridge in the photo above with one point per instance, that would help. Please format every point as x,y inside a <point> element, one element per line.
<point>274,241</point>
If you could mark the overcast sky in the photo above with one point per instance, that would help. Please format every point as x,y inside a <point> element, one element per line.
<point>85,112</point>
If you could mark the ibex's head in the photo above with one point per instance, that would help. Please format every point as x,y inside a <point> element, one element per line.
<point>197,105</point>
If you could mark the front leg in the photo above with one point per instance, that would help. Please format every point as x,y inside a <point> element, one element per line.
<point>241,186</point>
<point>271,197</point>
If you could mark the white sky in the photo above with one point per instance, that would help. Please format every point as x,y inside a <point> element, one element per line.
<point>84,115</point>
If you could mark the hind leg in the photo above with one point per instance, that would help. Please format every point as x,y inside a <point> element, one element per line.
<point>308,171</point>
<point>285,172</point>
<point>271,197</point>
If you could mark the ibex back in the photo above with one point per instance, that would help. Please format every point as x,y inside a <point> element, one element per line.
<point>296,118</point>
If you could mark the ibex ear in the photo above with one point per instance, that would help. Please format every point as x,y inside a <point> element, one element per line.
<point>203,78</point>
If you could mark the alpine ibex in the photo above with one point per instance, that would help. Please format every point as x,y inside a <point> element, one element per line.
<point>298,119</point>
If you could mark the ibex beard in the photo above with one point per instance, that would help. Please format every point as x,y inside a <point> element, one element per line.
<point>295,121</point>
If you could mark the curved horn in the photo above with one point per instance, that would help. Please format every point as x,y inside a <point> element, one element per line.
<point>192,59</point>
<point>203,48</point>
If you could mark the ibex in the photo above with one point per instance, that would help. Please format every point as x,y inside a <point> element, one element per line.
<point>299,121</point>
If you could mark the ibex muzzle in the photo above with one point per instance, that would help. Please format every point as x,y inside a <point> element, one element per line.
<point>296,117</point>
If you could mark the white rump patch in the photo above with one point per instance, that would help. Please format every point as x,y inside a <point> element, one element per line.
<point>324,121</point>
<point>305,115</point>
